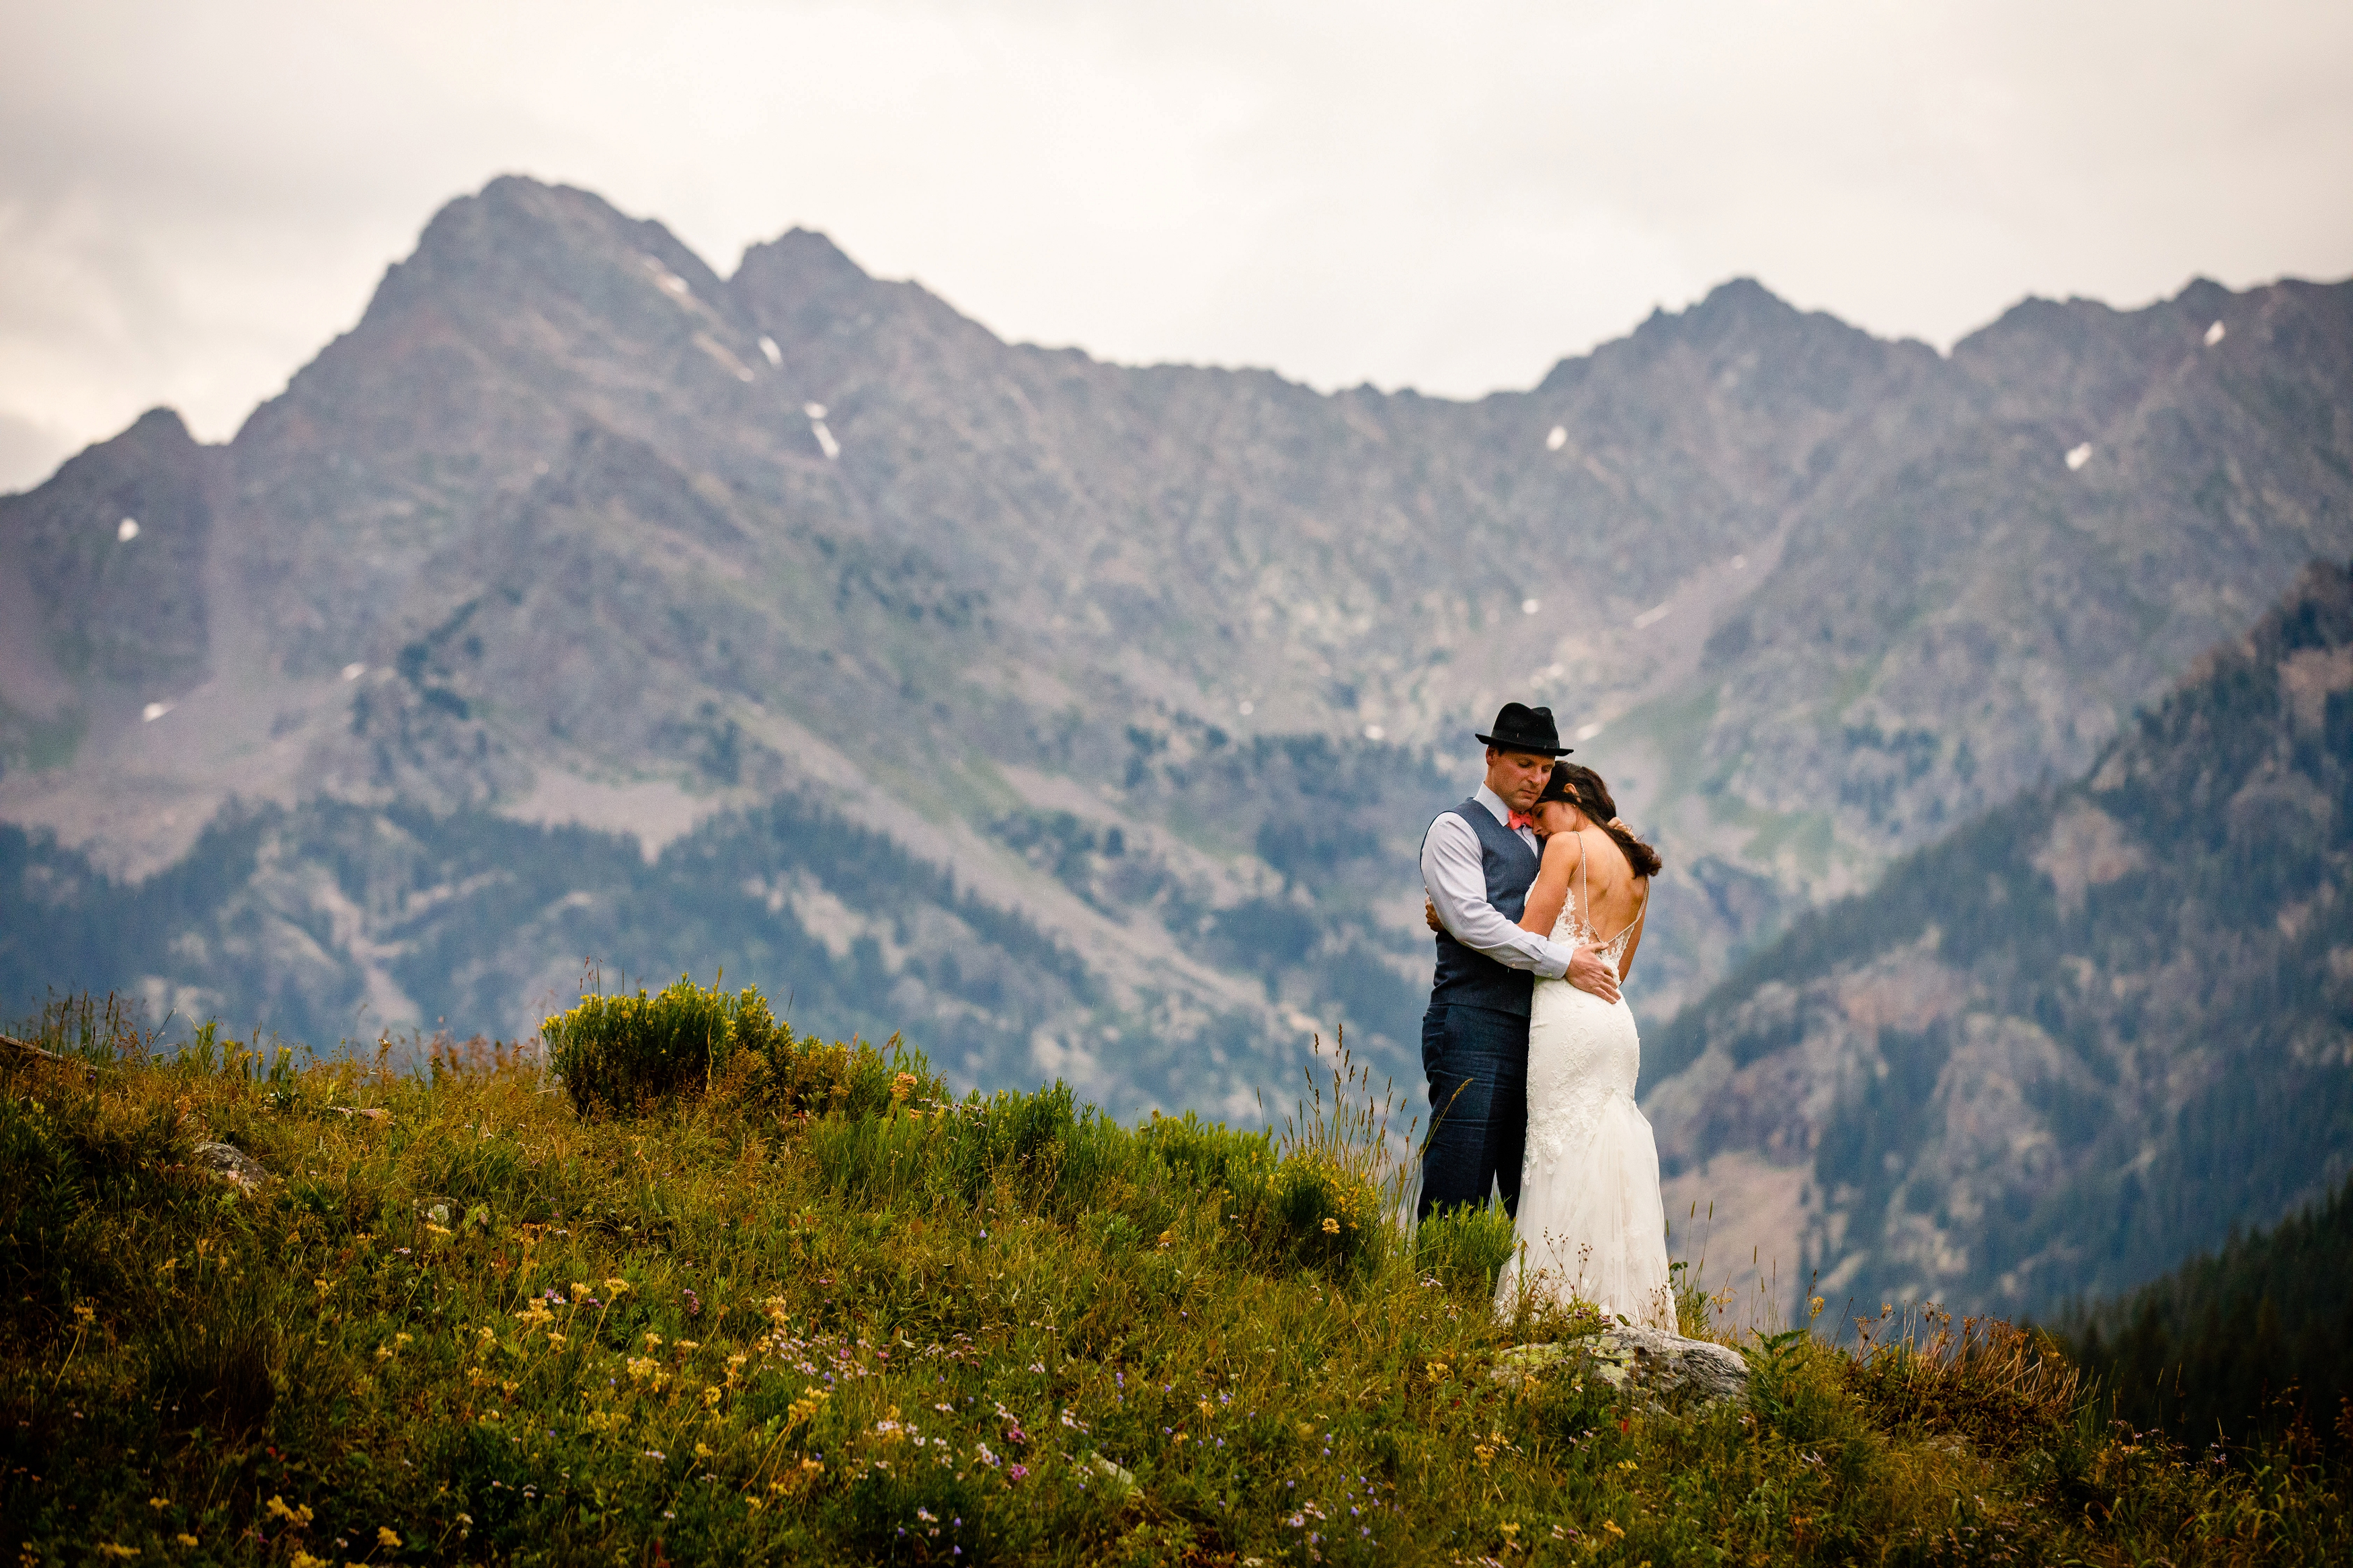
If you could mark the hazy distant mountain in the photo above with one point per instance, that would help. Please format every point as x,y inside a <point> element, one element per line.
<point>2100,1028</point>
<point>1166,666</point>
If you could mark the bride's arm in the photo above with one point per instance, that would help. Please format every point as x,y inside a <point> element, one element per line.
<point>1635,945</point>
<point>1550,889</point>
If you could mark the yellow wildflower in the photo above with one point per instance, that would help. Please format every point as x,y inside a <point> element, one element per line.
<point>159,1502</point>
<point>556,1341</point>
<point>690,1344</point>
<point>1331,1226</point>
<point>384,1537</point>
<point>1611,1526</point>
<point>653,1341</point>
<point>184,1539</point>
<point>579,1289</point>
<point>617,1286</point>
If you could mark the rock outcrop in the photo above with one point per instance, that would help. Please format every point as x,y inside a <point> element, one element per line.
<point>1663,1371</point>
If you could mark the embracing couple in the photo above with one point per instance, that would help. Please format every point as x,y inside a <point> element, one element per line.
<point>1537,893</point>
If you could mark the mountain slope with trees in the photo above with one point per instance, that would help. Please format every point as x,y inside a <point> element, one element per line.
<point>2094,1031</point>
<point>2238,1342</point>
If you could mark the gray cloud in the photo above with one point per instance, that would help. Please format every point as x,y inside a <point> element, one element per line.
<point>191,200</point>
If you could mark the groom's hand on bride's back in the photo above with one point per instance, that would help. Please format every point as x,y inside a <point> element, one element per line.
<point>1589,971</point>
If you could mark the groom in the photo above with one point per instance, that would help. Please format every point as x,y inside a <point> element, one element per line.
<point>1477,863</point>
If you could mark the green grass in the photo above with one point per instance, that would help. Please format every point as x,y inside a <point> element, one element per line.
<point>752,1319</point>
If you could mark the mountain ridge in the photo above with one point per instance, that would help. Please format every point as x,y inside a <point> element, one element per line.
<point>562,503</point>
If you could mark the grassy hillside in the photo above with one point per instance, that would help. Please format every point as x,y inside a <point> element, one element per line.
<point>2254,1336</point>
<point>793,1306</point>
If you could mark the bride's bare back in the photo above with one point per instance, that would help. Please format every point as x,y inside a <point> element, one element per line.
<point>1614,898</point>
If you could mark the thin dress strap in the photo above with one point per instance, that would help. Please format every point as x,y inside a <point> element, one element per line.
<point>1585,917</point>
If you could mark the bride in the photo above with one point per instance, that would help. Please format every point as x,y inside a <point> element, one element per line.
<point>1591,1225</point>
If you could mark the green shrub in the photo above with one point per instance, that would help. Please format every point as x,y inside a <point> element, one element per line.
<point>1320,1214</point>
<point>1465,1249</point>
<point>619,1053</point>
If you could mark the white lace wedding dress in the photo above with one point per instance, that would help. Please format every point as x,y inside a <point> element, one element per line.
<point>1592,1225</point>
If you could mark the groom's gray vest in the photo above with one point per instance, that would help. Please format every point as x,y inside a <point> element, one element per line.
<point>1474,979</point>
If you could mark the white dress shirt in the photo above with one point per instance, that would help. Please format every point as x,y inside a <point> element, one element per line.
<point>1455,877</point>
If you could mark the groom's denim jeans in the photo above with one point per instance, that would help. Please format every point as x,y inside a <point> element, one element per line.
<point>1477,1061</point>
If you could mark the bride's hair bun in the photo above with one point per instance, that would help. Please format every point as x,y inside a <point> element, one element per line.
<point>1583,788</point>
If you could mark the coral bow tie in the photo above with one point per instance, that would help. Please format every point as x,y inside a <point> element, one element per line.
<point>1521,819</point>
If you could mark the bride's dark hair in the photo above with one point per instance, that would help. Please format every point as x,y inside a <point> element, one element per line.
<point>1581,787</point>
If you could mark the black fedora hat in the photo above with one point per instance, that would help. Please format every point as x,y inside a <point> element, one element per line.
<point>1520,728</point>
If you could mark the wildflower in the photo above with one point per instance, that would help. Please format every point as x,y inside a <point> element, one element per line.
<point>1611,1526</point>
<point>579,1289</point>
<point>184,1539</point>
<point>653,1341</point>
<point>159,1502</point>
<point>703,1450</point>
<point>436,1229</point>
<point>385,1536</point>
<point>656,1454</point>
<point>690,1344</point>
<point>1016,1472</point>
<point>617,1286</point>
<point>467,1520</point>
<point>86,1313</point>
<point>1331,1226</point>
<point>556,1341</point>
<point>304,1560</point>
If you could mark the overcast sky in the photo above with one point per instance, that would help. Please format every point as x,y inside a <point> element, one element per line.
<point>194,198</point>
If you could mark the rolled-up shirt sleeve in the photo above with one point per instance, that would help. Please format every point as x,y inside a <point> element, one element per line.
<point>1452,875</point>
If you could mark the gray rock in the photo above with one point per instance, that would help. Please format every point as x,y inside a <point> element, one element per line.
<point>1119,1481</point>
<point>1666,1370</point>
<point>227,1163</point>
